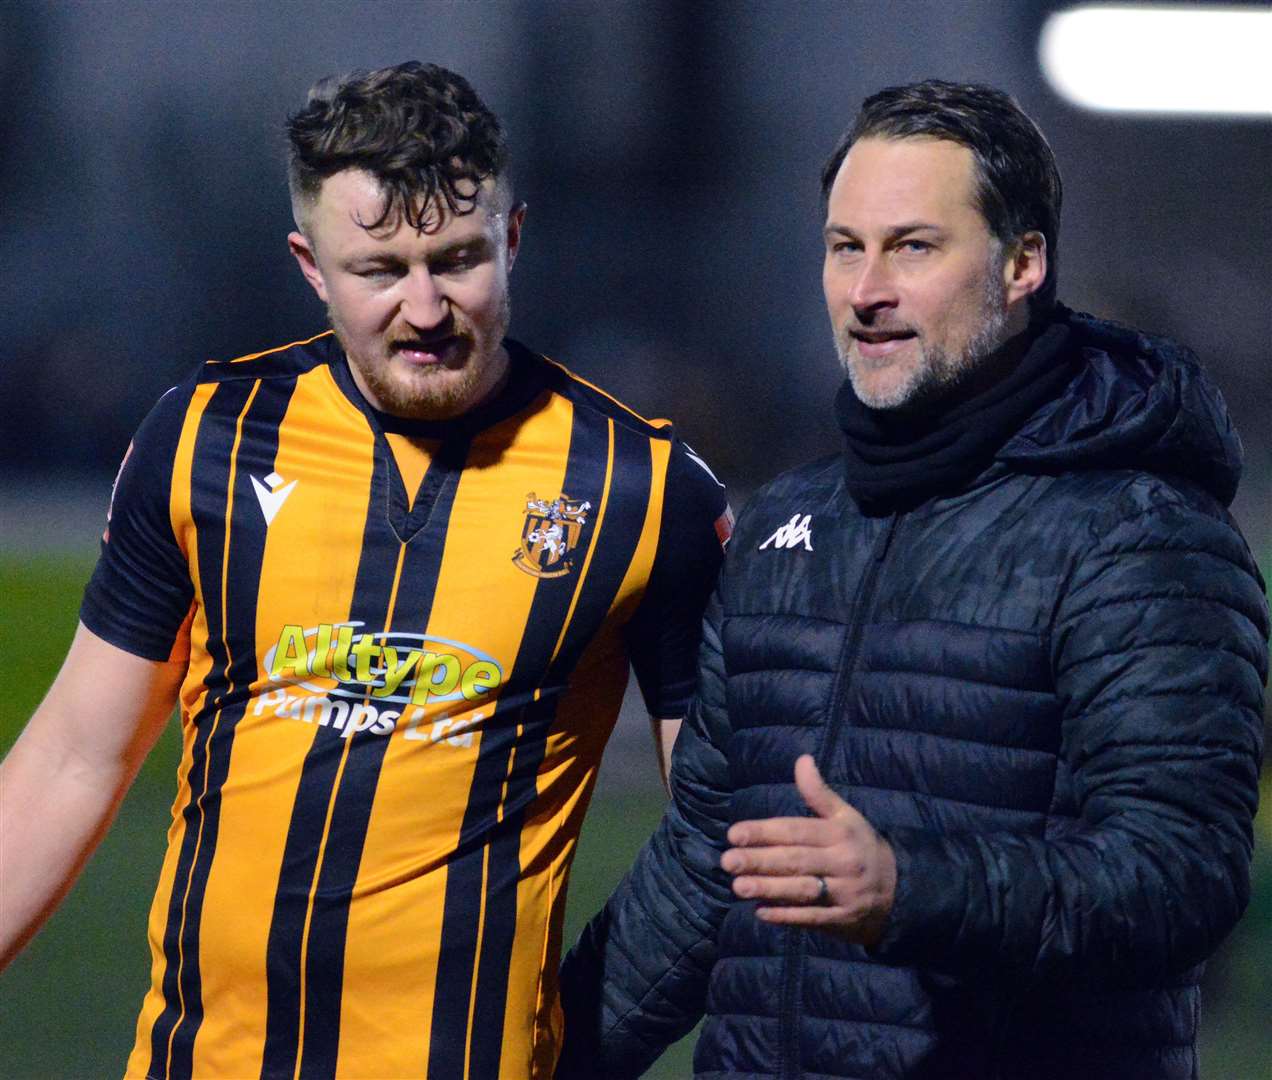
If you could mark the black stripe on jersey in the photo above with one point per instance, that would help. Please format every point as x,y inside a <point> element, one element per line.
<point>613,549</point>
<point>485,868</point>
<point>363,755</point>
<point>232,649</point>
<point>620,532</point>
<point>330,920</point>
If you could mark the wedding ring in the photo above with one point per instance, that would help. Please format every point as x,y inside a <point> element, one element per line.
<point>823,890</point>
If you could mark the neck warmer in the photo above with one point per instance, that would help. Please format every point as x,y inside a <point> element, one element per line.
<point>894,458</point>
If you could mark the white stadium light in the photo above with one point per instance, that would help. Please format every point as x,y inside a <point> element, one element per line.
<point>1177,58</point>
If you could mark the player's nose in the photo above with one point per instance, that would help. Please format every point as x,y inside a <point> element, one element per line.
<point>424,303</point>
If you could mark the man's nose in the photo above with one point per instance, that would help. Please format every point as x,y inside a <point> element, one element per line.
<point>424,304</point>
<point>874,287</point>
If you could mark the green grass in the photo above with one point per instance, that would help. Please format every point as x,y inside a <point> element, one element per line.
<point>68,1005</point>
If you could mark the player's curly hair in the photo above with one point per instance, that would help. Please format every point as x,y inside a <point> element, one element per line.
<point>420,129</point>
<point>1018,181</point>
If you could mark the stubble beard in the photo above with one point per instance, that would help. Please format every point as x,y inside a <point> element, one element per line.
<point>936,372</point>
<point>439,392</point>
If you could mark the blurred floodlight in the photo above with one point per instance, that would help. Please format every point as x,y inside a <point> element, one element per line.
<point>1178,58</point>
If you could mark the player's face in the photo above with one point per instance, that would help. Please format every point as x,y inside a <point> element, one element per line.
<point>421,315</point>
<point>917,287</point>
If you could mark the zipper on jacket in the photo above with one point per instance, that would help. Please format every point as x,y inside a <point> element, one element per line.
<point>848,659</point>
<point>883,546</point>
<point>787,1016</point>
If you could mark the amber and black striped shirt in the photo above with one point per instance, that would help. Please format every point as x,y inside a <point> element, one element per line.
<point>407,644</point>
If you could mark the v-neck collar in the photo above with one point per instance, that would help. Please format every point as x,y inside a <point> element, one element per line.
<point>407,516</point>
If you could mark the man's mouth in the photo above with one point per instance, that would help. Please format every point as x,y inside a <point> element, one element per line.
<point>876,336</point>
<point>877,344</point>
<point>427,352</point>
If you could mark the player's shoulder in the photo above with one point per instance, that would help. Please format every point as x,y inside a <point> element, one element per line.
<point>588,396</point>
<point>159,431</point>
<point>279,362</point>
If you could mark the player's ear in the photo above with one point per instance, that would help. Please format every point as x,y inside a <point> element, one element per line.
<point>1026,267</point>
<point>303,250</point>
<point>516,218</point>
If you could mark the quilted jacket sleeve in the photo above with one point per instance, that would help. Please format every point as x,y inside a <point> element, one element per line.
<point>636,980</point>
<point>1159,652</point>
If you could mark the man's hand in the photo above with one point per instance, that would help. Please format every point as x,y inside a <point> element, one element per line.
<point>783,862</point>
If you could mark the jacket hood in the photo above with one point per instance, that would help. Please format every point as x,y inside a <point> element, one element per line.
<point>1136,401</point>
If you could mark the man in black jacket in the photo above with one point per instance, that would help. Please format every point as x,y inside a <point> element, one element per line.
<point>1010,649</point>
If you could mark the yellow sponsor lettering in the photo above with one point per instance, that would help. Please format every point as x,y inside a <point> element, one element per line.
<point>340,659</point>
<point>437,675</point>
<point>364,652</point>
<point>395,672</point>
<point>291,656</point>
<point>479,678</point>
<point>322,650</point>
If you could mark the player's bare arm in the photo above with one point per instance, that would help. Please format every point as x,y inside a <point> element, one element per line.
<point>665,732</point>
<point>65,777</point>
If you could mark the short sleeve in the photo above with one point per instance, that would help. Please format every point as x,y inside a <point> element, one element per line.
<point>663,635</point>
<point>140,592</point>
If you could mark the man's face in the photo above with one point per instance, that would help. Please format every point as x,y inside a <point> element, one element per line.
<point>917,287</point>
<point>420,315</point>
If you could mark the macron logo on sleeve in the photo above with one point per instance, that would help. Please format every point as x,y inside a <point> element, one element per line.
<point>272,494</point>
<point>795,532</point>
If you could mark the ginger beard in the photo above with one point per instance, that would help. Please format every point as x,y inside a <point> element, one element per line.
<point>471,367</point>
<point>936,370</point>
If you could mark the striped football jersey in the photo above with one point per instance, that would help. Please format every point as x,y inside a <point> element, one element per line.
<point>407,643</point>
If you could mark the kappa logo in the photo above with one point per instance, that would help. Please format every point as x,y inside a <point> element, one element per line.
<point>550,534</point>
<point>795,532</point>
<point>272,494</point>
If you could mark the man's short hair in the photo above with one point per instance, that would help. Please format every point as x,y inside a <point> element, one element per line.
<point>1018,183</point>
<point>419,129</point>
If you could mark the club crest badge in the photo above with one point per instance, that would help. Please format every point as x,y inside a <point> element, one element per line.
<point>550,535</point>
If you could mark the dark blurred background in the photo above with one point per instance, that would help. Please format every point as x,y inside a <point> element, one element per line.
<point>669,153</point>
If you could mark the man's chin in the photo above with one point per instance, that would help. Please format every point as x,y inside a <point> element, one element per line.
<point>415,393</point>
<point>439,395</point>
<point>880,387</point>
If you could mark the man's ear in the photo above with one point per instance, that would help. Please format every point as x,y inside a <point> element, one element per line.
<point>516,218</point>
<point>303,250</point>
<point>1026,268</point>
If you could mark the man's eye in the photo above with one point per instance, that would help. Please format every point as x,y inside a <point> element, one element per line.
<point>915,246</point>
<point>845,247</point>
<point>457,263</point>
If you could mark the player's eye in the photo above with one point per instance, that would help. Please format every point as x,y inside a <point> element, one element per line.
<point>379,272</point>
<point>459,261</point>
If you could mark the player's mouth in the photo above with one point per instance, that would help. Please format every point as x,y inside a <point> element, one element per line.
<point>877,344</point>
<point>422,352</point>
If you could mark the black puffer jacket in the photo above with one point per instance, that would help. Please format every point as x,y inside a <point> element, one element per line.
<point>1045,690</point>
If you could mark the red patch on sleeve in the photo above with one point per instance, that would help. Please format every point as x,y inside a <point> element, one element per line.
<point>724,526</point>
